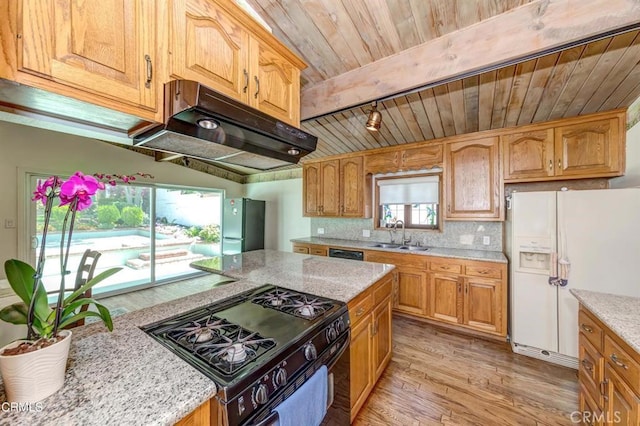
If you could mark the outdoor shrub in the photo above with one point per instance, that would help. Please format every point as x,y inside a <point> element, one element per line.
<point>210,234</point>
<point>193,232</point>
<point>107,216</point>
<point>132,216</point>
<point>57,217</point>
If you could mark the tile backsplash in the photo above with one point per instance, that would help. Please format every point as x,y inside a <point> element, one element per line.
<point>461,235</point>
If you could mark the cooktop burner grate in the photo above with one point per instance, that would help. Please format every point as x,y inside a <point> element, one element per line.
<point>225,346</point>
<point>298,304</point>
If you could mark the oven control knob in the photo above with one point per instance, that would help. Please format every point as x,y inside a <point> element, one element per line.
<point>280,378</point>
<point>310,352</point>
<point>261,394</point>
<point>340,325</point>
<point>332,334</point>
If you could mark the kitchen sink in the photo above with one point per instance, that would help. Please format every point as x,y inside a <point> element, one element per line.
<point>413,248</point>
<point>386,245</point>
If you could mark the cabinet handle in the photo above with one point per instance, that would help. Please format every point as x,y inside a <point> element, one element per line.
<point>246,81</point>
<point>375,328</point>
<point>550,165</point>
<point>449,208</point>
<point>255,95</point>
<point>147,83</point>
<point>614,359</point>
<point>559,163</point>
<point>586,328</point>
<point>459,287</point>
<point>603,389</point>
<point>587,365</point>
<point>466,288</point>
<point>360,311</point>
<point>483,272</point>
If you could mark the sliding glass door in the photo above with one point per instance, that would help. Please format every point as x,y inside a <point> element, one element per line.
<point>152,232</point>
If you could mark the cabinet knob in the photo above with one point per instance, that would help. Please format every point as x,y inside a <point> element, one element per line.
<point>587,365</point>
<point>586,328</point>
<point>559,163</point>
<point>147,83</point>
<point>550,165</point>
<point>360,311</point>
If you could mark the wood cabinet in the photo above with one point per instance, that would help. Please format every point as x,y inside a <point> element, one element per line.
<point>482,308</point>
<point>445,298</point>
<point>609,374</point>
<point>414,157</point>
<point>473,184</point>
<point>201,416</point>
<point>335,188</point>
<point>313,249</point>
<point>590,146</point>
<point>214,43</point>
<point>105,48</point>
<point>411,292</point>
<point>370,314</point>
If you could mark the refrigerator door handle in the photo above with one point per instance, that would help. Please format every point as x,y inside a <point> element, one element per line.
<point>553,268</point>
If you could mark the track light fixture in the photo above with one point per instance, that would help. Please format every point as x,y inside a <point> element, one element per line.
<point>375,118</point>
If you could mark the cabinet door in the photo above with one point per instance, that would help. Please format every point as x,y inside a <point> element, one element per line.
<point>528,155</point>
<point>311,189</point>
<point>590,413</point>
<point>351,187</point>
<point>99,46</point>
<point>382,162</point>
<point>588,148</point>
<point>209,46</point>
<point>361,364</point>
<point>300,248</point>
<point>424,157</point>
<point>445,298</point>
<point>482,307</point>
<point>412,291</point>
<point>474,187</point>
<point>274,84</point>
<point>381,337</point>
<point>330,188</point>
<point>590,369</point>
<point>622,405</point>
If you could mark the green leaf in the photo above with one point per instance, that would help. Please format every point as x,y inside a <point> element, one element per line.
<point>78,303</point>
<point>20,276</point>
<point>15,314</point>
<point>89,284</point>
<point>106,316</point>
<point>73,318</point>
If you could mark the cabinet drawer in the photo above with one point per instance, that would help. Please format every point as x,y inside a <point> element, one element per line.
<point>382,291</point>
<point>360,307</point>
<point>590,329</point>
<point>622,363</point>
<point>318,251</point>
<point>398,259</point>
<point>439,266</point>
<point>488,271</point>
<point>300,249</point>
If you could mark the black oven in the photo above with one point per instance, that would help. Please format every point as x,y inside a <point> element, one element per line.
<point>346,254</point>
<point>338,362</point>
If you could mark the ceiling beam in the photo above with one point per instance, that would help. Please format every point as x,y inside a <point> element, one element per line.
<point>531,30</point>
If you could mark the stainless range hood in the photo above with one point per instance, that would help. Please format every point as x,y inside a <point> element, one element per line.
<point>207,125</point>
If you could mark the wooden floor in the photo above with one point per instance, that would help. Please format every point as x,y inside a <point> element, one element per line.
<point>437,377</point>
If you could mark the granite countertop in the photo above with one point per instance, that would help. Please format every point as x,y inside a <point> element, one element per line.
<point>487,256</point>
<point>126,377</point>
<point>620,313</point>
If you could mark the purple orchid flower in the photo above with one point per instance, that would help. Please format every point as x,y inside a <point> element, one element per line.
<point>80,187</point>
<point>46,188</point>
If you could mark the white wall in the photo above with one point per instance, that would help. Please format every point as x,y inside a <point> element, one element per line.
<point>632,175</point>
<point>283,211</point>
<point>33,149</point>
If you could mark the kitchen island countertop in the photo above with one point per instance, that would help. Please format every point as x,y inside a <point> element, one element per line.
<point>126,377</point>
<point>487,256</point>
<point>620,313</point>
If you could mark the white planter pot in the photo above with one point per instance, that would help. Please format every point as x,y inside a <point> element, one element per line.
<point>33,376</point>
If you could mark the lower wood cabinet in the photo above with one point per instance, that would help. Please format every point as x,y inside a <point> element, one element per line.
<point>370,315</point>
<point>609,375</point>
<point>201,416</point>
<point>411,293</point>
<point>316,250</point>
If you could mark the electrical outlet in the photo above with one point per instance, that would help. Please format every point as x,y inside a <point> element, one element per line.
<point>9,223</point>
<point>366,233</point>
<point>320,231</point>
<point>486,240</point>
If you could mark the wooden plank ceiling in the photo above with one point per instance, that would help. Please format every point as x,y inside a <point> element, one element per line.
<point>338,36</point>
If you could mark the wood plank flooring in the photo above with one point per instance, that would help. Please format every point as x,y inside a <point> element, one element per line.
<point>438,377</point>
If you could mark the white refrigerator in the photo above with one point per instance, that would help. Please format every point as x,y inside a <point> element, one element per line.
<point>586,240</point>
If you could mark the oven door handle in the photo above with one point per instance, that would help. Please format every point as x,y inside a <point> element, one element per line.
<point>270,420</point>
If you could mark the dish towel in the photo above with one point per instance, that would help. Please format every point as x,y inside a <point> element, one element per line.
<point>308,405</point>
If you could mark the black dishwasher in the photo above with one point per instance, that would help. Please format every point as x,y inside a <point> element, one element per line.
<point>346,254</point>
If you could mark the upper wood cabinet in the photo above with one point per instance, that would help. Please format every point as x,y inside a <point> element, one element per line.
<point>105,47</point>
<point>590,146</point>
<point>473,184</point>
<point>415,157</point>
<point>211,44</point>
<point>335,188</point>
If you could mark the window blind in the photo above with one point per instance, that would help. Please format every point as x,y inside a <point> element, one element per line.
<point>411,190</point>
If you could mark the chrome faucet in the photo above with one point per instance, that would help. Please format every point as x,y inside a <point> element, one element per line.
<point>405,240</point>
